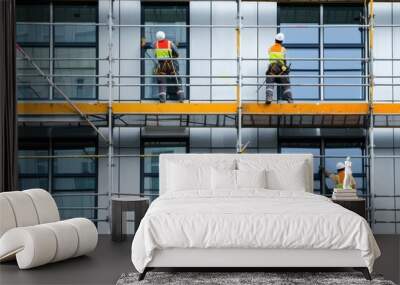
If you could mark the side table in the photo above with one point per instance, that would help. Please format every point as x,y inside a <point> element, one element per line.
<point>119,206</point>
<point>357,205</point>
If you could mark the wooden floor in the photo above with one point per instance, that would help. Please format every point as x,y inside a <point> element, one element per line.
<point>110,260</point>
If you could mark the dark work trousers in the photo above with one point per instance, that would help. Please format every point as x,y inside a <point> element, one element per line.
<point>168,67</point>
<point>274,69</point>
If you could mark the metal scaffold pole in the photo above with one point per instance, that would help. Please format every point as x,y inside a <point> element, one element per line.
<point>239,78</point>
<point>110,110</point>
<point>371,109</point>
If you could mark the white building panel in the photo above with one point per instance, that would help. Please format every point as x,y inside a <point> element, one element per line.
<point>383,48</point>
<point>200,48</point>
<point>129,48</point>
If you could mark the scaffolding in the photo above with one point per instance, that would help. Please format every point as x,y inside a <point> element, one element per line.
<point>237,113</point>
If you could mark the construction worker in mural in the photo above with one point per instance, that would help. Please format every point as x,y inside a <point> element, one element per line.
<point>165,51</point>
<point>278,71</point>
<point>338,178</point>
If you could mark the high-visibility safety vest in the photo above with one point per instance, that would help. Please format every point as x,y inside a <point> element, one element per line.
<point>277,53</point>
<point>163,49</point>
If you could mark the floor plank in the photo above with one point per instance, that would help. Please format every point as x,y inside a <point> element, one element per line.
<point>110,260</point>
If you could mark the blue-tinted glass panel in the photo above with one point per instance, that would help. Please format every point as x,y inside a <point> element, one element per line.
<point>295,15</point>
<point>33,13</point>
<point>165,15</point>
<point>307,53</point>
<point>300,35</point>
<point>82,87</point>
<point>74,183</point>
<point>75,14</point>
<point>343,92</point>
<point>76,201</point>
<point>31,85</point>
<point>343,35</point>
<point>74,165</point>
<point>33,165</point>
<point>151,163</point>
<point>305,92</point>
<point>151,92</point>
<point>29,183</point>
<point>343,53</point>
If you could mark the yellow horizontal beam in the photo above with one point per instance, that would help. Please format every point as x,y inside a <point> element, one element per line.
<point>63,108</point>
<point>174,108</point>
<point>307,109</point>
<point>387,108</point>
<point>60,108</point>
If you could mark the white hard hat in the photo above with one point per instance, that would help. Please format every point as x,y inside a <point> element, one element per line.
<point>340,165</point>
<point>280,37</point>
<point>160,35</point>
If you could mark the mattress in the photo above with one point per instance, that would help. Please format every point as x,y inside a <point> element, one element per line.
<point>251,219</point>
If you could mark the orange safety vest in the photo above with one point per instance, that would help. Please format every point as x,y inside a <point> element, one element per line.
<point>277,53</point>
<point>163,49</point>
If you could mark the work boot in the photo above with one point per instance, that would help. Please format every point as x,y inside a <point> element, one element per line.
<point>268,99</point>
<point>163,97</point>
<point>181,96</point>
<point>289,100</point>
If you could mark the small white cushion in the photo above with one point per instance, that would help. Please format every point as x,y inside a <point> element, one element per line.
<point>187,177</point>
<point>223,179</point>
<point>277,180</point>
<point>251,179</point>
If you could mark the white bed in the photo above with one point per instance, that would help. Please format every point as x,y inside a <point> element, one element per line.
<point>214,211</point>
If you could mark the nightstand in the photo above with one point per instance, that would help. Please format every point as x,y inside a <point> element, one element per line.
<point>357,205</point>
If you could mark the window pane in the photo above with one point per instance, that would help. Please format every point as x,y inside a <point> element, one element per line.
<point>74,165</point>
<point>150,165</point>
<point>76,201</point>
<point>74,183</point>
<point>343,35</point>
<point>29,183</point>
<point>305,92</point>
<point>342,14</point>
<point>33,166</point>
<point>75,14</point>
<point>151,92</point>
<point>345,53</point>
<point>81,88</point>
<point>303,53</point>
<point>343,92</point>
<point>165,15</point>
<point>299,15</point>
<point>33,13</point>
<point>32,87</point>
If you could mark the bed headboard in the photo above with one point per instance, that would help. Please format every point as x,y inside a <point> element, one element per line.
<point>282,161</point>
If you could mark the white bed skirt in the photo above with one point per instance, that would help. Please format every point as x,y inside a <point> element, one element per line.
<point>189,257</point>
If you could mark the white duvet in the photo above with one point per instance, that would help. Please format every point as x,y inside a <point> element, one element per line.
<point>250,219</point>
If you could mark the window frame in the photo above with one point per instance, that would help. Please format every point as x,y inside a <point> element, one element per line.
<point>345,142</point>
<point>322,46</point>
<point>52,45</point>
<point>143,50</point>
<point>174,142</point>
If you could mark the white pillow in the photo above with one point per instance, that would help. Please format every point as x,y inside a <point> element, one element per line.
<point>223,179</point>
<point>183,177</point>
<point>277,180</point>
<point>251,178</point>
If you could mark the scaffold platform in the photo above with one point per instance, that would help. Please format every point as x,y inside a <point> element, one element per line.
<point>137,114</point>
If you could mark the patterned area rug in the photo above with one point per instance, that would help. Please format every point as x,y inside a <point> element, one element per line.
<point>244,278</point>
